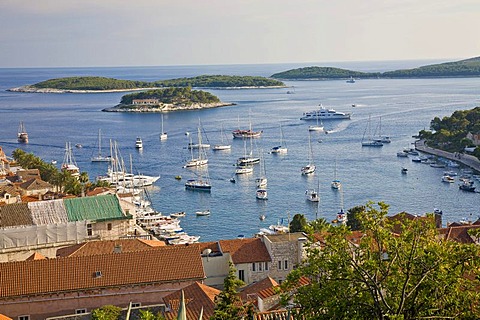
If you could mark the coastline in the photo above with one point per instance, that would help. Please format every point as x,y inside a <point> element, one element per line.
<point>466,159</point>
<point>30,89</point>
<point>165,107</point>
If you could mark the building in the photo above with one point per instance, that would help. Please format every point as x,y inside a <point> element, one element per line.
<point>145,101</point>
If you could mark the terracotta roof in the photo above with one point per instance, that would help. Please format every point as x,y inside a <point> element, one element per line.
<point>197,296</point>
<point>15,214</point>
<point>257,287</point>
<point>458,233</point>
<point>165,264</point>
<point>3,317</point>
<point>35,184</point>
<point>100,190</point>
<point>214,246</point>
<point>245,250</point>
<point>27,174</point>
<point>36,256</point>
<point>108,246</point>
<point>8,189</point>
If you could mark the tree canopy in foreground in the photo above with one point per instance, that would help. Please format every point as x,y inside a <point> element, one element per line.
<point>374,273</point>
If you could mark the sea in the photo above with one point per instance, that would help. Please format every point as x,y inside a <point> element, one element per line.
<point>399,108</point>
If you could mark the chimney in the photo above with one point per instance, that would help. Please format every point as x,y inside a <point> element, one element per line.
<point>117,248</point>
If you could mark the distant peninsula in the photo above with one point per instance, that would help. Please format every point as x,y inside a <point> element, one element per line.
<point>462,68</point>
<point>102,84</point>
<point>167,100</point>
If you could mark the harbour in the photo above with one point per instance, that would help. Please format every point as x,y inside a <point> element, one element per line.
<point>367,174</point>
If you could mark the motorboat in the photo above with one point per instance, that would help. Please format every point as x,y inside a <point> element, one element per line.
<point>402,154</point>
<point>22,135</point>
<point>467,185</point>
<point>139,143</point>
<point>178,214</point>
<point>308,169</point>
<point>325,114</point>
<point>243,170</point>
<point>351,80</point>
<point>448,179</point>
<point>261,194</point>
<point>203,213</point>
<point>312,195</point>
<point>404,171</point>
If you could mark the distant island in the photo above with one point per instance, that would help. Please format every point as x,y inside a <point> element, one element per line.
<point>102,84</point>
<point>166,100</point>
<point>462,68</point>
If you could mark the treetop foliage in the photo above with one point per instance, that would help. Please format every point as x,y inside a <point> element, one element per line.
<point>172,96</point>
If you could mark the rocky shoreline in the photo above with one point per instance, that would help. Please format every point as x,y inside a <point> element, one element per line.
<point>165,107</point>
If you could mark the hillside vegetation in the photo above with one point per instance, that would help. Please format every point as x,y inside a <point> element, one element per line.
<point>205,81</point>
<point>172,96</point>
<point>462,68</point>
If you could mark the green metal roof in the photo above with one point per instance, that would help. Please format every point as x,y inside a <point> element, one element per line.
<point>97,208</point>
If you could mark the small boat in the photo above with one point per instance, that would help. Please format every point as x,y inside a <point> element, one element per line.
<point>282,148</point>
<point>404,170</point>
<point>163,134</point>
<point>53,162</point>
<point>78,145</point>
<point>261,194</point>
<point>336,184</point>
<point>448,179</point>
<point>312,195</point>
<point>139,143</point>
<point>198,184</point>
<point>318,127</point>
<point>437,211</point>
<point>341,217</point>
<point>22,135</point>
<point>325,114</point>
<point>310,167</point>
<point>178,214</point>
<point>402,154</point>
<point>232,180</point>
<point>467,185</point>
<point>351,80</point>
<point>246,133</point>
<point>243,170</point>
<point>178,177</point>
<point>203,213</point>
<point>262,217</point>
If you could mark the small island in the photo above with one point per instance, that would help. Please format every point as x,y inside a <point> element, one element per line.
<point>167,100</point>
<point>102,84</point>
<point>462,68</point>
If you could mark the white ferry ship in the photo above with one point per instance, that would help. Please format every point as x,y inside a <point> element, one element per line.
<point>325,114</point>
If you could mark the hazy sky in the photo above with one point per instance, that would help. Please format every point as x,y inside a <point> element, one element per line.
<point>37,33</point>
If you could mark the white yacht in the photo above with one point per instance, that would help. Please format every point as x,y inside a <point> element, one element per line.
<point>325,114</point>
<point>312,195</point>
<point>139,143</point>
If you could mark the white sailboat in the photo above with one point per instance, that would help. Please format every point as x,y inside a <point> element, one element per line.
<point>248,159</point>
<point>201,159</point>
<point>261,183</point>
<point>313,195</point>
<point>22,135</point>
<point>370,142</point>
<point>318,127</point>
<point>336,184</point>
<point>69,164</point>
<point>310,167</point>
<point>223,145</point>
<point>282,148</point>
<point>202,181</point>
<point>163,134</point>
<point>382,139</point>
<point>99,157</point>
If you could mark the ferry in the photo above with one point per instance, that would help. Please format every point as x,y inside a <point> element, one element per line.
<point>325,114</point>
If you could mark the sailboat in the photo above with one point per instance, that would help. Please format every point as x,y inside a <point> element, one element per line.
<point>22,135</point>
<point>310,167</point>
<point>382,139</point>
<point>202,182</point>
<point>69,164</point>
<point>318,127</point>
<point>201,160</point>
<point>335,182</point>
<point>371,142</point>
<point>248,159</point>
<point>282,148</point>
<point>313,195</point>
<point>163,134</point>
<point>222,145</point>
<point>99,157</point>
<point>261,183</point>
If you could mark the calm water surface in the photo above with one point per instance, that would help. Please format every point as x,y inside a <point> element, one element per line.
<point>404,107</point>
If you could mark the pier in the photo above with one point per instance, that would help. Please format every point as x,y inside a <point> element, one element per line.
<point>466,159</point>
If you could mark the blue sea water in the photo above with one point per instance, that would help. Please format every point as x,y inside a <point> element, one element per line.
<point>405,106</point>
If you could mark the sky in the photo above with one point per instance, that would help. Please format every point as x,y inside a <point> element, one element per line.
<point>92,33</point>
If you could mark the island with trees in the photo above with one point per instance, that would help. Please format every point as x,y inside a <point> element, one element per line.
<point>463,68</point>
<point>102,84</point>
<point>166,100</point>
<point>454,133</point>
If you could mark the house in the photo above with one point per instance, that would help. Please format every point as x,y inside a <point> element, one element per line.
<point>44,226</point>
<point>474,137</point>
<point>34,187</point>
<point>9,194</point>
<point>40,288</point>
<point>145,101</point>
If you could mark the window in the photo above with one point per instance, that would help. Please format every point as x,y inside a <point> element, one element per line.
<point>89,229</point>
<point>80,311</point>
<point>109,226</point>
<point>241,275</point>
<point>266,266</point>
<point>285,264</point>
<point>279,265</point>
<point>260,265</point>
<point>253,266</point>
<point>136,304</point>
<point>23,317</point>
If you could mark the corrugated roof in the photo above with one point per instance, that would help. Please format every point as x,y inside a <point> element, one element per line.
<point>15,214</point>
<point>246,250</point>
<point>98,208</point>
<point>165,264</point>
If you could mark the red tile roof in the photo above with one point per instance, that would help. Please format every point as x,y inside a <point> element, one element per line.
<point>458,233</point>
<point>108,246</point>
<point>247,250</point>
<point>36,256</point>
<point>197,296</point>
<point>254,289</point>
<point>2,317</point>
<point>165,264</point>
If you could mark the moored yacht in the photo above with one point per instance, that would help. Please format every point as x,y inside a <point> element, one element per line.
<point>139,143</point>
<point>325,114</point>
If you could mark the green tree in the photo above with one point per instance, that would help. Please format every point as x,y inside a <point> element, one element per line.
<point>149,315</point>
<point>107,312</point>
<point>298,223</point>
<point>412,274</point>
<point>352,221</point>
<point>227,303</point>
